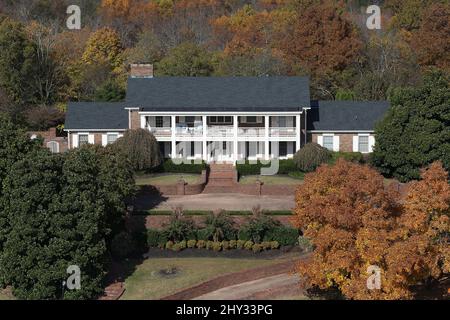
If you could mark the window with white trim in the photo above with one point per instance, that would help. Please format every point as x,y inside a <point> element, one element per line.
<point>159,122</point>
<point>53,146</point>
<point>363,144</point>
<point>328,142</point>
<point>220,120</point>
<point>83,139</point>
<point>111,138</point>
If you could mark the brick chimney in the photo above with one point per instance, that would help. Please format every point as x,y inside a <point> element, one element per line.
<point>141,70</point>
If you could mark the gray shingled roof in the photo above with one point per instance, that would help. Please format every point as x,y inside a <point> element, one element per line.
<point>96,115</point>
<point>346,115</point>
<point>219,93</point>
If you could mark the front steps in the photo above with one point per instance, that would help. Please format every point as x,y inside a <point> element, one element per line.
<point>223,178</point>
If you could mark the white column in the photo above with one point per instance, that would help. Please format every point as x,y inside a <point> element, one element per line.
<point>266,137</point>
<point>298,131</point>
<point>204,141</point>
<point>235,138</point>
<point>143,122</point>
<point>173,139</point>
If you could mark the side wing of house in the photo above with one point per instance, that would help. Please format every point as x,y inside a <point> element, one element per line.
<point>345,125</point>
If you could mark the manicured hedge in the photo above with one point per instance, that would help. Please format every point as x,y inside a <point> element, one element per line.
<point>357,157</point>
<point>188,166</point>
<point>286,236</point>
<point>247,169</point>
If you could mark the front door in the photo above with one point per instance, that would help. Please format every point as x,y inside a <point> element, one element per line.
<point>220,151</point>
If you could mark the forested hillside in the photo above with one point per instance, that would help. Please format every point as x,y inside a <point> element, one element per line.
<point>43,64</point>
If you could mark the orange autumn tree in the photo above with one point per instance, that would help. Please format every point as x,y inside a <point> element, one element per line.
<point>354,222</point>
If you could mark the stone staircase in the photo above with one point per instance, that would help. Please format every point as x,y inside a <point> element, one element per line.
<point>223,178</point>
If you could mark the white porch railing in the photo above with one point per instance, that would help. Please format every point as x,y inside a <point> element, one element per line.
<point>252,132</point>
<point>220,131</point>
<point>161,132</point>
<point>283,132</point>
<point>189,132</point>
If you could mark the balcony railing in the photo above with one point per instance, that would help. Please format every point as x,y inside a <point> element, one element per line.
<point>189,132</point>
<point>283,132</point>
<point>161,132</point>
<point>252,132</point>
<point>220,131</point>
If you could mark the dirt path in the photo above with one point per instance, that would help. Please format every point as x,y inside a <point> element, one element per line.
<point>250,289</point>
<point>217,201</point>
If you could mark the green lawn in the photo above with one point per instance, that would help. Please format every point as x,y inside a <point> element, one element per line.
<point>146,283</point>
<point>270,180</point>
<point>165,179</point>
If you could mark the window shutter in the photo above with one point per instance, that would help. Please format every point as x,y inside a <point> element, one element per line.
<point>75,140</point>
<point>371,143</point>
<point>320,140</point>
<point>336,143</point>
<point>91,139</point>
<point>355,143</point>
<point>104,139</point>
<point>143,122</point>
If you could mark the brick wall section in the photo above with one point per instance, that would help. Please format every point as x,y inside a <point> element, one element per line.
<point>135,120</point>
<point>49,136</point>
<point>158,222</point>
<point>345,140</point>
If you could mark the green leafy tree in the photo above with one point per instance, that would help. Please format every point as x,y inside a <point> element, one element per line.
<point>17,61</point>
<point>188,60</point>
<point>141,149</point>
<point>311,156</point>
<point>415,132</point>
<point>110,91</point>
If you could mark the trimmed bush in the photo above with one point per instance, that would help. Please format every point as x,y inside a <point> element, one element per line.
<point>191,243</point>
<point>217,246</point>
<point>249,245</point>
<point>141,149</point>
<point>209,245</point>
<point>311,156</point>
<point>274,245</point>
<point>250,169</point>
<point>177,247</point>
<point>244,234</point>
<point>225,245</point>
<point>169,245</point>
<point>201,244</point>
<point>266,245</point>
<point>240,244</point>
<point>286,236</point>
<point>203,234</point>
<point>186,167</point>
<point>257,248</point>
<point>183,244</point>
<point>232,244</point>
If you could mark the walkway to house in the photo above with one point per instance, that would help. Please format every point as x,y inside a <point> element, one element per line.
<point>217,201</point>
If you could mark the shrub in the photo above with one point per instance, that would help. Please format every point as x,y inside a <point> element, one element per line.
<point>356,157</point>
<point>257,227</point>
<point>248,169</point>
<point>177,247</point>
<point>232,244</point>
<point>186,167</point>
<point>244,234</point>
<point>183,244</point>
<point>155,237</point>
<point>274,245</point>
<point>209,245</point>
<point>240,244</point>
<point>225,245</point>
<point>140,148</point>
<point>179,228</point>
<point>257,248</point>
<point>297,175</point>
<point>266,245</point>
<point>201,244</point>
<point>203,234</point>
<point>217,246</point>
<point>248,245</point>
<point>286,236</point>
<point>191,243</point>
<point>169,245</point>
<point>305,244</point>
<point>122,245</point>
<point>220,226</point>
<point>311,156</point>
